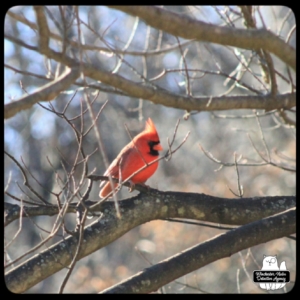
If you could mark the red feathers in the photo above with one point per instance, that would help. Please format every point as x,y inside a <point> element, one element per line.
<point>142,150</point>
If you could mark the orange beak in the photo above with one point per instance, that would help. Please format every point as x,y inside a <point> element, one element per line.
<point>158,147</point>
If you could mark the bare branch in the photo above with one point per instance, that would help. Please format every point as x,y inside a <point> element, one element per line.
<point>57,37</point>
<point>158,95</point>
<point>150,279</point>
<point>42,28</point>
<point>197,206</point>
<point>258,164</point>
<point>183,26</point>
<point>76,255</point>
<point>45,93</point>
<point>26,182</point>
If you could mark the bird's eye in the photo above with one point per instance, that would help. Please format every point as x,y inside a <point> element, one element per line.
<point>152,151</point>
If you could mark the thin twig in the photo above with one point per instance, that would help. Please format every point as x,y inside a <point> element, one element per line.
<point>19,229</point>
<point>26,183</point>
<point>77,251</point>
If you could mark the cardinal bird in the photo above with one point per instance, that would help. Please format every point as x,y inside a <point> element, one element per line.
<point>142,150</point>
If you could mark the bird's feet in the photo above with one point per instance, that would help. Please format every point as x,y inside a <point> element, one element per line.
<point>132,186</point>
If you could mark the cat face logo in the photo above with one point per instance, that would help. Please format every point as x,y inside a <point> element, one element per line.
<point>272,277</point>
<point>270,263</point>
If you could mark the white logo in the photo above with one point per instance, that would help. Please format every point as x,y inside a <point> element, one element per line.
<point>270,264</point>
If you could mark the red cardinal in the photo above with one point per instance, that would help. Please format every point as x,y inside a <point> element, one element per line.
<point>142,150</point>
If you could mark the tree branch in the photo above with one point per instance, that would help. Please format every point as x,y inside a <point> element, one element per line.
<point>45,93</point>
<point>183,26</point>
<point>88,47</point>
<point>159,205</point>
<point>211,208</point>
<point>164,272</point>
<point>159,95</point>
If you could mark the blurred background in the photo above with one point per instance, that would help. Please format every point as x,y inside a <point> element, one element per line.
<point>128,47</point>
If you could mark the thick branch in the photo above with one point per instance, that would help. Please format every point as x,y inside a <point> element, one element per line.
<point>12,211</point>
<point>86,47</point>
<point>43,28</point>
<point>45,93</point>
<point>159,95</point>
<point>183,26</point>
<point>158,205</point>
<point>262,231</point>
<point>210,208</point>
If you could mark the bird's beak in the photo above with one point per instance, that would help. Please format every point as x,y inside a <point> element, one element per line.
<point>158,147</point>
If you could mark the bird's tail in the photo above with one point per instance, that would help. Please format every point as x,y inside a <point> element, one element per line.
<point>107,188</point>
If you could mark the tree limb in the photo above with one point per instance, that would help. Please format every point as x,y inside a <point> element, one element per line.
<point>210,206</point>
<point>188,28</point>
<point>45,93</point>
<point>152,278</point>
<point>159,95</point>
<point>159,205</point>
<point>156,94</point>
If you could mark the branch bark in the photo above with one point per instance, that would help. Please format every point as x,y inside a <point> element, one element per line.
<point>183,26</point>
<point>211,207</point>
<point>45,93</point>
<point>159,205</point>
<point>161,96</point>
<point>178,25</point>
<point>262,231</point>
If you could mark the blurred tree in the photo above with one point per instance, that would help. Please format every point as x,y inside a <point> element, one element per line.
<point>75,75</point>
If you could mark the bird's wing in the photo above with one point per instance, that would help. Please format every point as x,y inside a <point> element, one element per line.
<point>121,159</point>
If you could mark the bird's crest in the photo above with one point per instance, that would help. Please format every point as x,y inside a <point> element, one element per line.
<point>150,127</point>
